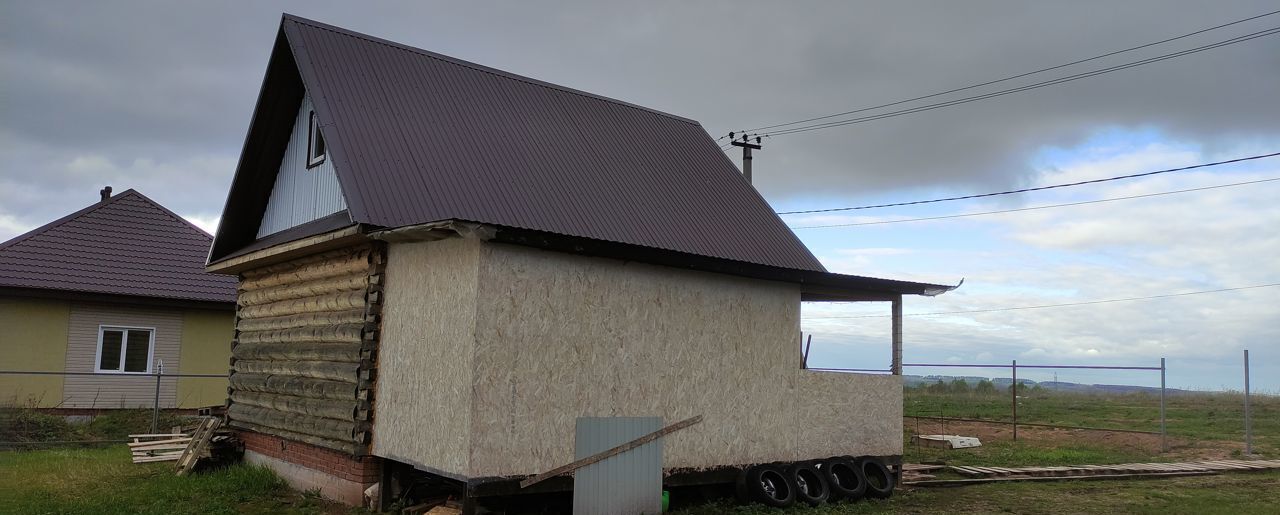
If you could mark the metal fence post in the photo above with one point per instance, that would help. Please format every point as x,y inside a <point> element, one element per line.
<point>1248,425</point>
<point>1164,436</point>
<point>1014,389</point>
<point>155,406</point>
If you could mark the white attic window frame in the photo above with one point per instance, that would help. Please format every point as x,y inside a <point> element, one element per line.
<point>316,148</point>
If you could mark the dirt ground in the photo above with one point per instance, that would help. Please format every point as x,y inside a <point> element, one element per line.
<point>1137,443</point>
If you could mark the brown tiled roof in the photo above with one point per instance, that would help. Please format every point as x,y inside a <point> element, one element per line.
<point>419,137</point>
<point>125,245</point>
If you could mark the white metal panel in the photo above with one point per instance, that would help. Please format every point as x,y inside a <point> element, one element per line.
<point>627,484</point>
<point>301,194</point>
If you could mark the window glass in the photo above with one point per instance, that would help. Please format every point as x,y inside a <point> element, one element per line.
<point>137,351</point>
<point>111,341</point>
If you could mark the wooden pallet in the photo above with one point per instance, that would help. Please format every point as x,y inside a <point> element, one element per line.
<point>1124,468</point>
<point>150,448</point>
<point>197,447</point>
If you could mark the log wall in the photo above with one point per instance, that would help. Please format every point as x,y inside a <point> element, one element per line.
<point>302,362</point>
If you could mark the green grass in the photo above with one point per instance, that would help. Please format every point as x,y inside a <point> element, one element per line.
<point>1200,416</point>
<point>1005,453</point>
<point>31,425</point>
<point>1235,494</point>
<point>104,481</point>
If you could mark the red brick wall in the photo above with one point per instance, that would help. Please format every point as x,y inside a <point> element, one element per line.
<point>364,469</point>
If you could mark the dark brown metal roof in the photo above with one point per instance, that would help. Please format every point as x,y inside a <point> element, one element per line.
<point>125,245</point>
<point>419,137</point>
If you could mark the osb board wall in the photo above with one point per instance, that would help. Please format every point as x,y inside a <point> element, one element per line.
<point>119,390</point>
<point>559,336</point>
<point>426,342</point>
<point>302,362</point>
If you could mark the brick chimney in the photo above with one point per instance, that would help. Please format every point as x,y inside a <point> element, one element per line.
<point>106,193</point>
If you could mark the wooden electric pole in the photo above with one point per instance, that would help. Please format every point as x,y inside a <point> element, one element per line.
<point>747,147</point>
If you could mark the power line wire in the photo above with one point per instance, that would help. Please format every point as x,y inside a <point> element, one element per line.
<point>944,217</point>
<point>1038,188</point>
<point>1018,76</point>
<point>1015,308</point>
<point>1052,82</point>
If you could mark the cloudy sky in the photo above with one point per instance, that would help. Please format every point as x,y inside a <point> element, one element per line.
<point>157,96</point>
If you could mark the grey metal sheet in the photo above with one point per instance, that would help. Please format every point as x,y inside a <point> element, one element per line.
<point>629,483</point>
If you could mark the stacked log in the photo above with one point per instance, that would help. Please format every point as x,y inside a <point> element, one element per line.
<point>302,364</point>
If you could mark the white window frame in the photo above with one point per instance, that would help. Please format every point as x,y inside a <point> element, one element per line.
<point>151,349</point>
<point>314,136</point>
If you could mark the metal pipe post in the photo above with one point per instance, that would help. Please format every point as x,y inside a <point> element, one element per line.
<point>155,406</point>
<point>1248,425</point>
<point>1014,388</point>
<point>896,319</point>
<point>1164,436</point>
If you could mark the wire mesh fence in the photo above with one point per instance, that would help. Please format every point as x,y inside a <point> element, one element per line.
<point>87,408</point>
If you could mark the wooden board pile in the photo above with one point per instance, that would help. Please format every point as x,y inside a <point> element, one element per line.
<point>148,448</point>
<point>186,445</point>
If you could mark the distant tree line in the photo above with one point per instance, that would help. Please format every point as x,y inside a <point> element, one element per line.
<point>984,387</point>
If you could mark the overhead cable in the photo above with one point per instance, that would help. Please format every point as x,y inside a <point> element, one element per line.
<point>1098,201</point>
<point>1038,188</point>
<point>1037,85</point>
<point>1018,76</point>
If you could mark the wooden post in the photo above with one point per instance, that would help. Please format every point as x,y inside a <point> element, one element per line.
<point>896,366</point>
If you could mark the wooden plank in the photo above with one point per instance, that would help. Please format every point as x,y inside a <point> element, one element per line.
<point>156,459</point>
<point>176,445</point>
<point>155,442</point>
<point>598,457</point>
<point>158,435</point>
<point>965,482</point>
<point>199,440</point>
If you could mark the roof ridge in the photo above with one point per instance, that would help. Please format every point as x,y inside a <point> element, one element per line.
<point>171,214</point>
<point>58,222</point>
<point>480,67</point>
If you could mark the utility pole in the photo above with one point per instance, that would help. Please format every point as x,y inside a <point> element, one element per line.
<point>747,147</point>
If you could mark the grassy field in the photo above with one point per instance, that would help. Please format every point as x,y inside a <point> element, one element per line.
<point>102,480</point>
<point>1190,418</point>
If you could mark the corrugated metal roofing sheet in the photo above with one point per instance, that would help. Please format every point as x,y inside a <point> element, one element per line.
<point>419,137</point>
<point>125,245</point>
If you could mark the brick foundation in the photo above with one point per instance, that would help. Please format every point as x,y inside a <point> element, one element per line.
<point>338,476</point>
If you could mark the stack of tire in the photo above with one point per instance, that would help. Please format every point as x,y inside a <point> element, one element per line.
<point>836,479</point>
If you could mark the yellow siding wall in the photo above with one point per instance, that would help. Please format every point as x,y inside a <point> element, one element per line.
<point>206,349</point>
<point>35,339</point>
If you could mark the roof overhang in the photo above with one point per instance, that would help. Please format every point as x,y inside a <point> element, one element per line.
<point>816,286</point>
<point>115,299</point>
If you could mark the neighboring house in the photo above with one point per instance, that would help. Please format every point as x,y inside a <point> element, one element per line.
<point>108,293</point>
<point>443,266</point>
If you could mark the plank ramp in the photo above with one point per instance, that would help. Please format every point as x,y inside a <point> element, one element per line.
<point>1123,469</point>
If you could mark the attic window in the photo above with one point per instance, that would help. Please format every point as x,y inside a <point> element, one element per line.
<point>315,143</point>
